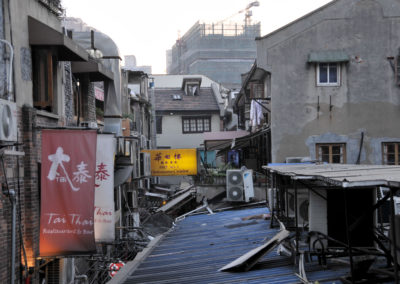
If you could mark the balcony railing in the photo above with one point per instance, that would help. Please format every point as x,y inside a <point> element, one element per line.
<point>53,5</point>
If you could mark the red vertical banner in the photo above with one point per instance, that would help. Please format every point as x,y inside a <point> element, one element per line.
<point>67,192</point>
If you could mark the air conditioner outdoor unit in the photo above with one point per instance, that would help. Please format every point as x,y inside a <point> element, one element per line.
<point>248,185</point>
<point>143,142</point>
<point>239,185</point>
<point>234,185</point>
<point>294,160</point>
<point>60,271</point>
<point>145,164</point>
<point>8,122</point>
<point>89,124</point>
<point>302,207</point>
<point>135,159</point>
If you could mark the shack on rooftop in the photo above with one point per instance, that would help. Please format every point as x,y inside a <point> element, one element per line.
<point>343,211</point>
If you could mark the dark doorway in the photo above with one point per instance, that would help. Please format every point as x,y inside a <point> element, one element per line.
<point>359,202</point>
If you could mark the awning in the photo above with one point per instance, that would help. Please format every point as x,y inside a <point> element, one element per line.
<point>343,175</point>
<point>222,139</point>
<point>95,70</point>
<point>328,56</point>
<point>242,142</point>
<point>41,34</point>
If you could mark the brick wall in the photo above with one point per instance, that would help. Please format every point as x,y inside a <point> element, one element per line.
<point>69,96</point>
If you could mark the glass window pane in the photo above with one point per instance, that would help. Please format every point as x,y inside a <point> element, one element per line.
<point>390,148</point>
<point>336,150</point>
<point>323,73</point>
<point>391,159</point>
<point>333,78</point>
<point>186,127</point>
<point>323,152</point>
<point>200,125</point>
<point>193,125</point>
<point>337,159</point>
<point>207,124</point>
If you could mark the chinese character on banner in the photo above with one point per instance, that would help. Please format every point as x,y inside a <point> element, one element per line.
<point>101,172</point>
<point>104,215</point>
<point>67,192</point>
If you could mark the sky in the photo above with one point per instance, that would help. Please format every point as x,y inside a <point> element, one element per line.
<point>147,28</point>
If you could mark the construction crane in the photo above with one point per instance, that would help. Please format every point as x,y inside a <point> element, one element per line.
<point>247,15</point>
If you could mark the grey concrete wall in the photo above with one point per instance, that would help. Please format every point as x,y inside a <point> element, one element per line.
<point>366,101</point>
<point>173,137</point>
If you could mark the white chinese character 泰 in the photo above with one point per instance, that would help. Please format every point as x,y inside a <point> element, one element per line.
<point>82,174</point>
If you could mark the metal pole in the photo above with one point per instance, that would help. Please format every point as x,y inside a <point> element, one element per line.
<point>13,237</point>
<point>394,243</point>
<point>296,217</point>
<point>348,236</point>
<point>153,114</point>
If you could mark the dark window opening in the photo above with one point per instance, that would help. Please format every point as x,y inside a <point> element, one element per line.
<point>44,67</point>
<point>159,124</point>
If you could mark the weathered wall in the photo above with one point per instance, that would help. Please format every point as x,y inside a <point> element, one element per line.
<point>173,137</point>
<point>368,98</point>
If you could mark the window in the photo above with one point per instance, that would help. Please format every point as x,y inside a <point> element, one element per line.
<point>256,90</point>
<point>44,79</point>
<point>192,89</point>
<point>391,154</point>
<point>196,124</point>
<point>331,153</point>
<point>159,124</point>
<point>328,74</point>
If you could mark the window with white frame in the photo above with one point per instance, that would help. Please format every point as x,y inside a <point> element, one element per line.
<point>328,74</point>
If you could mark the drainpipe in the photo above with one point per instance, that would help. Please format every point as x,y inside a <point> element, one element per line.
<point>13,230</point>
<point>9,82</point>
<point>153,115</point>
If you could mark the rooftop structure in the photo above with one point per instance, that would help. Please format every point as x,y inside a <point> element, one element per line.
<point>220,51</point>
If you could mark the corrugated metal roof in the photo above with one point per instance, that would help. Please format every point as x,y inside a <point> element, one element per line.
<point>344,174</point>
<point>200,245</point>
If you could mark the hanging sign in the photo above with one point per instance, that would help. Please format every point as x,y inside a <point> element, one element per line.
<point>104,229</point>
<point>67,192</point>
<point>173,162</point>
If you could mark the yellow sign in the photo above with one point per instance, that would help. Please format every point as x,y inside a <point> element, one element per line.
<point>173,162</point>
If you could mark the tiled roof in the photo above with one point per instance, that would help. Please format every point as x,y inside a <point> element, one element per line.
<point>205,101</point>
<point>200,245</point>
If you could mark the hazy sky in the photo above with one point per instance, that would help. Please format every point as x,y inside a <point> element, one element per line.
<point>147,28</point>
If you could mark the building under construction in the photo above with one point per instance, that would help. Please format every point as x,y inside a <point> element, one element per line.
<point>219,51</point>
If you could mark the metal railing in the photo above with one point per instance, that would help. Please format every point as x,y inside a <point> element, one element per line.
<point>54,6</point>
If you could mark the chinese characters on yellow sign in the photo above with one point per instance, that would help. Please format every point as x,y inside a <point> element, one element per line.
<point>173,162</point>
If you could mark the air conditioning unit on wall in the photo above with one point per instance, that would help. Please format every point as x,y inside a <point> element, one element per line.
<point>8,122</point>
<point>239,185</point>
<point>302,206</point>
<point>145,164</point>
<point>143,142</point>
<point>60,271</point>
